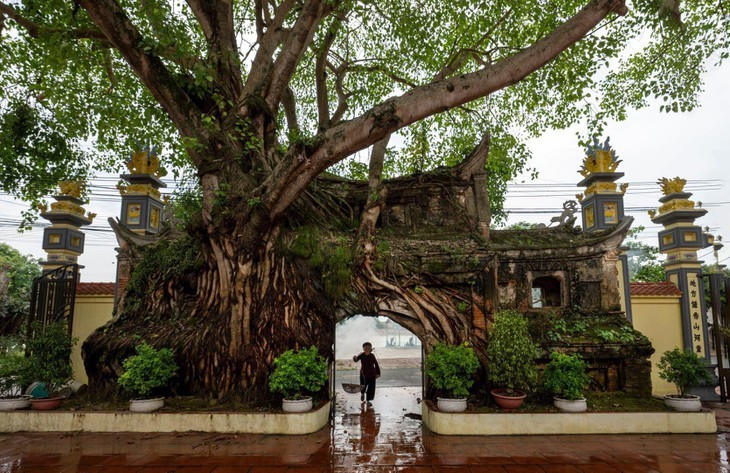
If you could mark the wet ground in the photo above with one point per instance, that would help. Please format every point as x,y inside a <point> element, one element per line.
<point>385,438</point>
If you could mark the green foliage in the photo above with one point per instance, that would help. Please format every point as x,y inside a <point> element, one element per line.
<point>644,264</point>
<point>334,261</point>
<point>683,368</point>
<point>565,376</point>
<point>625,334</point>
<point>149,370</point>
<point>511,353</point>
<point>565,327</point>
<point>17,272</point>
<point>652,56</point>
<point>12,363</point>
<point>297,373</point>
<point>166,258</point>
<point>187,205</point>
<point>34,155</point>
<point>50,356</point>
<point>452,368</point>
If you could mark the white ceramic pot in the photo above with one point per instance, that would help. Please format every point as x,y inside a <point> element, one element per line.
<point>146,405</point>
<point>689,403</point>
<point>297,405</point>
<point>14,403</point>
<point>565,405</point>
<point>451,405</point>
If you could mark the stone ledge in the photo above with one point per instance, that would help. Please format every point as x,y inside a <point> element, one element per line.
<point>476,423</point>
<point>217,422</point>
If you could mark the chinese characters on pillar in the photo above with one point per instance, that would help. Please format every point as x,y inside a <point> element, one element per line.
<point>695,310</point>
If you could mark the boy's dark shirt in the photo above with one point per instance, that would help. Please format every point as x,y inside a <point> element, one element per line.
<point>369,365</point>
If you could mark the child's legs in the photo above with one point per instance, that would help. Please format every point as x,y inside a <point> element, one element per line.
<point>370,388</point>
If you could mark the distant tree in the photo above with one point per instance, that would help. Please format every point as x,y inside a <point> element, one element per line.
<point>644,263</point>
<point>16,279</point>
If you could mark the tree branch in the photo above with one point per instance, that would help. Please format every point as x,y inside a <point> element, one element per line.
<point>293,175</point>
<point>35,30</point>
<point>121,33</point>
<point>290,109</point>
<point>216,20</point>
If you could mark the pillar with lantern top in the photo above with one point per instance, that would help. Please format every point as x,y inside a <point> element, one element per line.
<point>680,240</point>
<point>141,199</point>
<point>63,240</point>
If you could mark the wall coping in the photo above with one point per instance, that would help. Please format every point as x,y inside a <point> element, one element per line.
<point>588,423</point>
<point>125,421</point>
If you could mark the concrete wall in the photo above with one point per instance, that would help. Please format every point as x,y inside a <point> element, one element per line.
<point>660,319</point>
<point>90,313</point>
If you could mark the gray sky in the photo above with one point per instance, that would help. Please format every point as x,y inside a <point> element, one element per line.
<point>651,144</point>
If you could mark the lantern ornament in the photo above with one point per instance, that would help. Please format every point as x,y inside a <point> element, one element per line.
<point>141,199</point>
<point>602,202</point>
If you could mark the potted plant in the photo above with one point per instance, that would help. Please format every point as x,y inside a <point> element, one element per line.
<point>566,378</point>
<point>49,362</point>
<point>684,369</point>
<point>451,368</point>
<point>146,372</point>
<point>298,373</point>
<point>12,365</point>
<point>511,354</point>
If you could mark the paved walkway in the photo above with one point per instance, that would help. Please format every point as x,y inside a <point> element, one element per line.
<point>386,438</point>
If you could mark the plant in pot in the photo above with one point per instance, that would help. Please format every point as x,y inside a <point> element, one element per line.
<point>145,373</point>
<point>297,373</point>
<point>566,378</point>
<point>49,362</point>
<point>12,365</point>
<point>684,369</point>
<point>511,353</point>
<point>451,368</point>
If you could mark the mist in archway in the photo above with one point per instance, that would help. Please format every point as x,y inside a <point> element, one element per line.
<point>389,339</point>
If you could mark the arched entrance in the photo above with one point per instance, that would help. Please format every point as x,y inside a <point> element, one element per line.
<point>400,355</point>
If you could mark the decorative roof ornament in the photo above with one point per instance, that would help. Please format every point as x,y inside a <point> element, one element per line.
<point>600,157</point>
<point>72,188</point>
<point>145,161</point>
<point>567,218</point>
<point>674,185</point>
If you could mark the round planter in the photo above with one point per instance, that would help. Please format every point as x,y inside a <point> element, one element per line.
<point>507,402</point>
<point>688,403</point>
<point>565,405</point>
<point>297,405</point>
<point>146,405</point>
<point>451,405</point>
<point>15,402</point>
<point>46,403</point>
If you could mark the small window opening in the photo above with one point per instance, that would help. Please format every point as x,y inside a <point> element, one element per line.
<point>546,292</point>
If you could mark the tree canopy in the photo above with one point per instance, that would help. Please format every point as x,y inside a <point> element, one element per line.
<point>17,272</point>
<point>189,75</point>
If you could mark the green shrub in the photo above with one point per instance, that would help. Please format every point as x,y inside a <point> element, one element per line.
<point>511,353</point>
<point>452,368</point>
<point>148,370</point>
<point>565,376</point>
<point>12,364</point>
<point>50,356</point>
<point>296,373</point>
<point>683,368</point>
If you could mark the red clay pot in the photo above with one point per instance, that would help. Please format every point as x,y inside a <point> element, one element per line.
<point>507,402</point>
<point>46,403</point>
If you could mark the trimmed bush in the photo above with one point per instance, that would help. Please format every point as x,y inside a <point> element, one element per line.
<point>50,356</point>
<point>565,376</point>
<point>148,370</point>
<point>511,353</point>
<point>452,368</point>
<point>683,368</point>
<point>297,373</point>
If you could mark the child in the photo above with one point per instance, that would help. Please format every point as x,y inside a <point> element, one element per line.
<point>369,372</point>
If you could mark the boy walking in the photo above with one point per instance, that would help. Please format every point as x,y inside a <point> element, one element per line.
<point>369,372</point>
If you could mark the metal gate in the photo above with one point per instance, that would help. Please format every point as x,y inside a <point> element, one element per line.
<point>720,284</point>
<point>53,296</point>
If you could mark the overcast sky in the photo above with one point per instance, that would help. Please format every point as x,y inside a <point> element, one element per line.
<point>651,144</point>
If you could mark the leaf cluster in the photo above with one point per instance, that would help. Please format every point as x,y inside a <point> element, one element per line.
<point>12,364</point>
<point>511,353</point>
<point>566,377</point>
<point>148,370</point>
<point>17,272</point>
<point>50,356</point>
<point>683,368</point>
<point>452,368</point>
<point>298,372</point>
